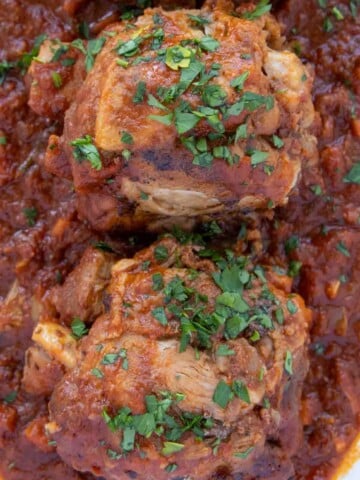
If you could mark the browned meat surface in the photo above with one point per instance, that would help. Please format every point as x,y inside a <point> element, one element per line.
<point>198,368</point>
<point>81,293</point>
<point>179,120</point>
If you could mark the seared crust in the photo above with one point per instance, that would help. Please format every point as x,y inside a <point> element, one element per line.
<point>245,434</point>
<point>159,176</point>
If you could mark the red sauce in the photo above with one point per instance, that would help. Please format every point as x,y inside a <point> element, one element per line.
<point>322,219</point>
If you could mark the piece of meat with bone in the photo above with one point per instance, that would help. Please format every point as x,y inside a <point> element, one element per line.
<point>184,115</point>
<point>196,371</point>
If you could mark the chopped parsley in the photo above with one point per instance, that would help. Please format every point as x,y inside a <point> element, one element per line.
<point>5,67</point>
<point>31,215</point>
<point>224,350</point>
<point>171,447</point>
<point>171,467</point>
<point>158,282</point>
<point>292,307</point>
<point>353,175</point>
<point>139,92</point>
<point>111,358</point>
<point>277,142</point>
<point>337,13</point>
<point>214,95</point>
<point>178,57</point>
<point>258,157</point>
<point>93,48</point>
<point>96,372</point>
<point>160,315</point>
<point>27,58</point>
<point>84,149</point>
<point>78,328</point>
<point>158,420</point>
<point>57,80</point>
<point>238,82</point>
<point>341,247</point>
<point>222,394</point>
<point>10,398</point>
<point>105,247</point>
<point>161,253</point>
<point>316,189</point>
<point>294,268</point>
<point>288,364</point>
<point>244,454</point>
<point>241,391</point>
<point>198,20</point>
<point>291,244</point>
<point>262,7</point>
<point>127,138</point>
<point>328,26</point>
<point>208,43</point>
<point>130,47</point>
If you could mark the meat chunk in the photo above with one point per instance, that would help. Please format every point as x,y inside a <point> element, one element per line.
<point>57,73</point>
<point>81,294</point>
<point>198,370</point>
<point>190,113</point>
<point>41,371</point>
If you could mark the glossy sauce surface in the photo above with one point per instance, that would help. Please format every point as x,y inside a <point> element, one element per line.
<point>319,228</point>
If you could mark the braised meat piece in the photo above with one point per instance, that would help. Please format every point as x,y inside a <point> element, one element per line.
<point>182,115</point>
<point>196,369</point>
<point>81,293</point>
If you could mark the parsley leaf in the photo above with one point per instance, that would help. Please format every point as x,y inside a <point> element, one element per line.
<point>171,447</point>
<point>160,315</point>
<point>78,328</point>
<point>185,121</point>
<point>258,157</point>
<point>353,176</point>
<point>241,391</point>
<point>224,351</point>
<point>56,78</point>
<point>208,43</point>
<point>86,150</point>
<point>238,82</point>
<point>178,57</point>
<point>341,247</point>
<point>5,67</point>
<point>161,253</point>
<point>292,307</point>
<point>198,19</point>
<point>10,398</point>
<point>154,102</point>
<point>214,95</point>
<point>139,92</point>
<point>31,215</point>
<point>158,282</point>
<point>222,394</point>
<point>241,132</point>
<point>277,142</point>
<point>26,59</point>
<point>93,48</point>
<point>127,138</point>
<point>264,6</point>
<point>164,119</point>
<point>244,454</point>
<point>288,365</point>
<point>129,48</point>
